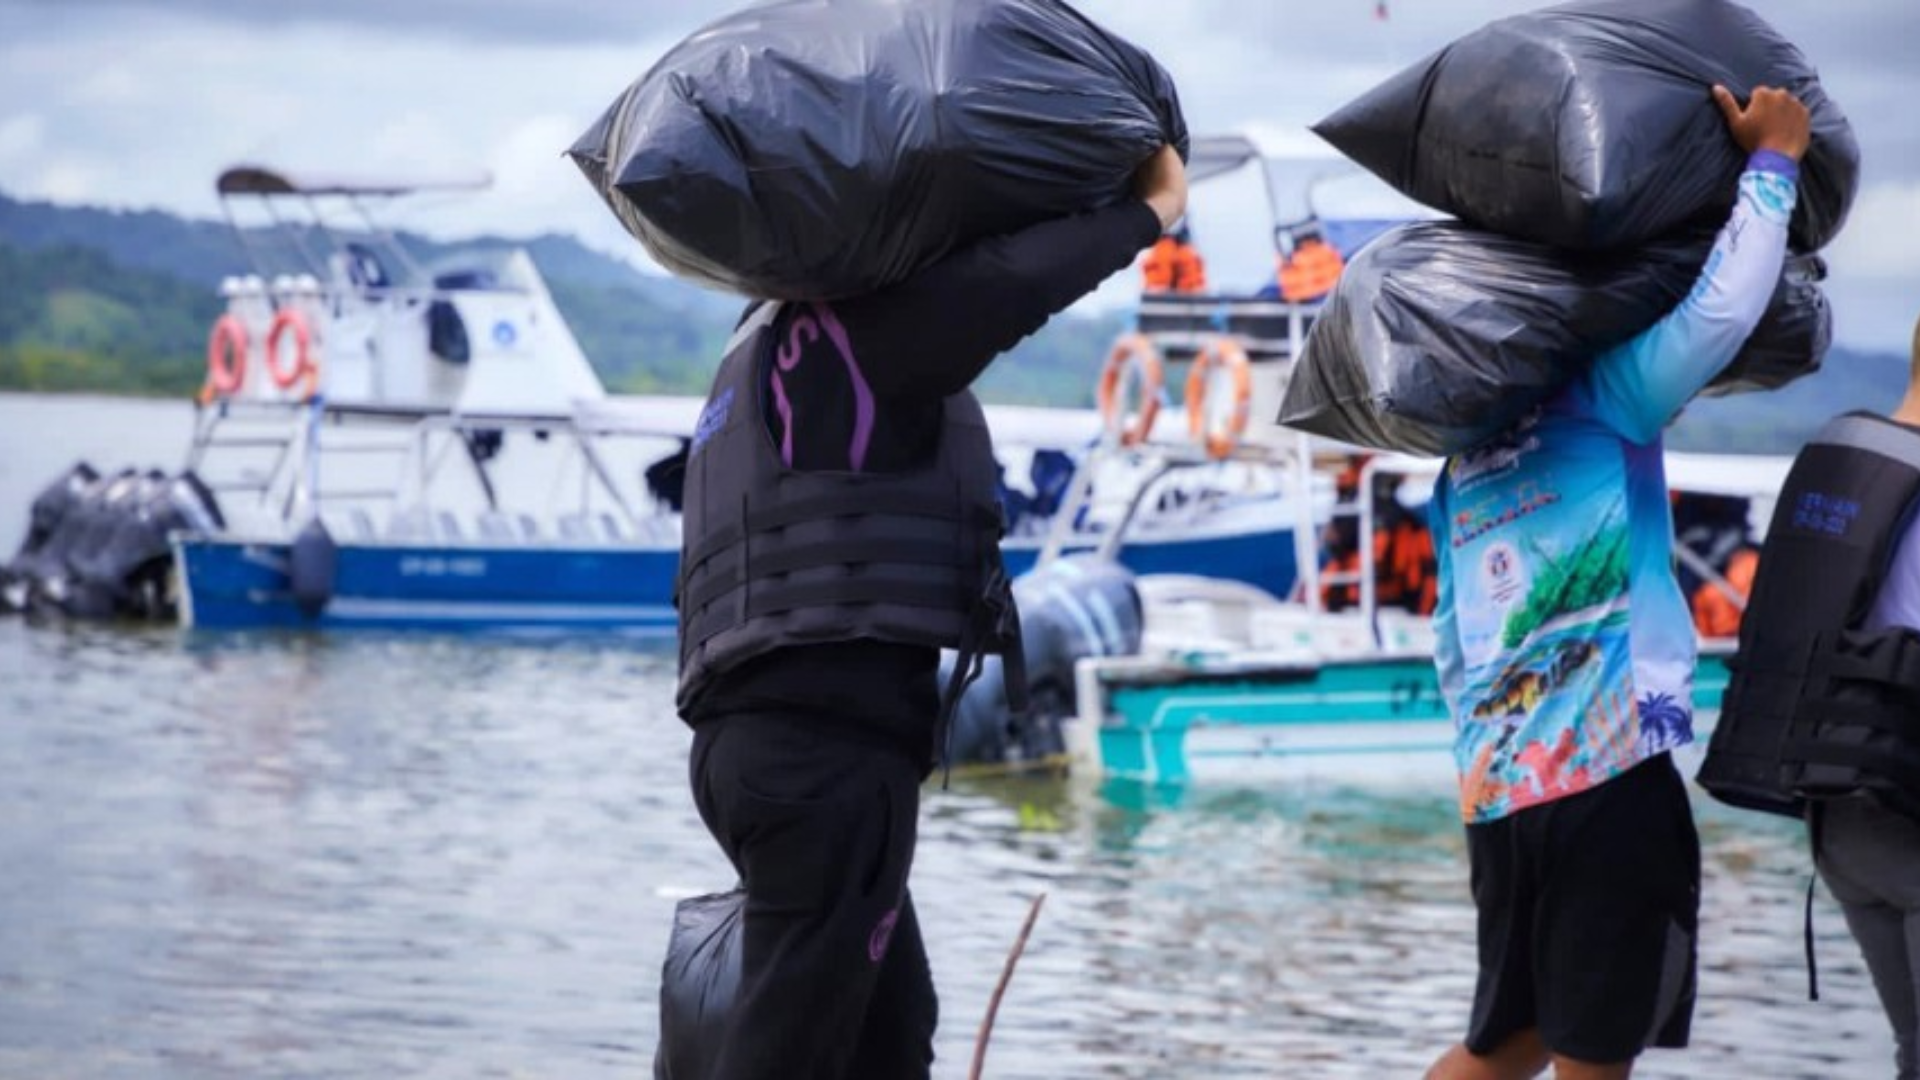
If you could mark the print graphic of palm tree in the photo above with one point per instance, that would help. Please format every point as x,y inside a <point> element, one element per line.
<point>1662,719</point>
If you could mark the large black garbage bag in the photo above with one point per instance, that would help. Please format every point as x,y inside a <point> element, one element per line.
<point>810,149</point>
<point>1592,125</point>
<point>698,984</point>
<point>1440,335</point>
<point>1791,340</point>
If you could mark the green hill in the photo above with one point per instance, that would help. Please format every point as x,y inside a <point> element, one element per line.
<point>71,319</point>
<point>120,302</point>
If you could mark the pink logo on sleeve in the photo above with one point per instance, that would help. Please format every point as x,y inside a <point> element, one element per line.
<point>882,934</point>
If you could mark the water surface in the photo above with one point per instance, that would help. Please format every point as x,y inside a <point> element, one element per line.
<point>404,856</point>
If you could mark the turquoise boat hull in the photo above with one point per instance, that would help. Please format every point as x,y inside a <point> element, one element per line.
<point>1239,719</point>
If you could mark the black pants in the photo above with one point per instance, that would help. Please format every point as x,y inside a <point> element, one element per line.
<point>820,824</point>
<point>1589,908</point>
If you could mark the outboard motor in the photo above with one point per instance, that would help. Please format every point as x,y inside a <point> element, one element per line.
<point>134,567</point>
<point>56,583</point>
<point>1071,608</point>
<point>107,552</point>
<point>50,508</point>
<point>121,535</point>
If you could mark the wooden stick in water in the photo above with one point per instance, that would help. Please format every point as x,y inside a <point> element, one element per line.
<point>999,991</point>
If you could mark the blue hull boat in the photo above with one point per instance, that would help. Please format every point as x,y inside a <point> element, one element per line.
<point>235,585</point>
<point>232,584</point>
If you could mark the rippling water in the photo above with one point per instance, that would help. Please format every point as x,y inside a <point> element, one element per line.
<point>289,856</point>
<point>281,856</point>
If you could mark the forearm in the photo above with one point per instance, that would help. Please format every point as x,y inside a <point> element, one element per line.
<point>1643,383</point>
<point>933,335</point>
<point>1448,663</point>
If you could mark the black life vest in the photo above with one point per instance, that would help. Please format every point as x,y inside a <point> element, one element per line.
<point>773,557</point>
<point>1819,707</point>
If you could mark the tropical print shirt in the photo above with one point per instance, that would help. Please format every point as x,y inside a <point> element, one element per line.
<point>1565,650</point>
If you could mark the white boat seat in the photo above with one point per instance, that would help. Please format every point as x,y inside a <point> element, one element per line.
<point>414,523</point>
<point>575,528</point>
<point>1404,632</point>
<point>497,527</point>
<point>661,531</point>
<point>354,524</point>
<point>1292,628</point>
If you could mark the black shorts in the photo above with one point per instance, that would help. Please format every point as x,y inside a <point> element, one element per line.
<point>1589,907</point>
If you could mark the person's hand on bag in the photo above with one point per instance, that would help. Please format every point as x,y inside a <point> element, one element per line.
<point>1772,120</point>
<point>1161,183</point>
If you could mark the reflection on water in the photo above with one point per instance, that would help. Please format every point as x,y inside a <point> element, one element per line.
<point>287,856</point>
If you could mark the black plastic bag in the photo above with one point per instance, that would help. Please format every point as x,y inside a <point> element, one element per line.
<point>1591,125</point>
<point>812,149</point>
<point>1440,335</point>
<point>698,984</point>
<point>1792,338</point>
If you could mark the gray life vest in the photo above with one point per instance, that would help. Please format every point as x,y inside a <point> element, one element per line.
<point>1819,707</point>
<point>773,557</point>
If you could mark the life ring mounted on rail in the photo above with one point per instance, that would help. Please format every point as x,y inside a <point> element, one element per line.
<point>290,321</point>
<point>1219,429</point>
<point>1132,353</point>
<point>226,359</point>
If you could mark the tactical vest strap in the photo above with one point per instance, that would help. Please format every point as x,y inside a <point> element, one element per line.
<point>711,586</point>
<point>1890,657</point>
<point>1901,769</point>
<point>775,599</point>
<point>851,501</point>
<point>1865,715</point>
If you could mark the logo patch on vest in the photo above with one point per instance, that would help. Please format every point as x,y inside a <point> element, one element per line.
<point>1827,515</point>
<point>712,418</point>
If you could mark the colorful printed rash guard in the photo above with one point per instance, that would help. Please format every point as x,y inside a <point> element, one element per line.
<point>1565,649</point>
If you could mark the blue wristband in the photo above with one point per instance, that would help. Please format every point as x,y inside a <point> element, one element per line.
<point>1773,162</point>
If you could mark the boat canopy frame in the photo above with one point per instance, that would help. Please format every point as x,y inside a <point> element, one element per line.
<point>274,187</point>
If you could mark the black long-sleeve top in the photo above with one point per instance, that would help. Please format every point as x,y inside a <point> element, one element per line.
<point>860,384</point>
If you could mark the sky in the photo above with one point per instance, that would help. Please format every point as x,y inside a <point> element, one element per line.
<point>140,103</point>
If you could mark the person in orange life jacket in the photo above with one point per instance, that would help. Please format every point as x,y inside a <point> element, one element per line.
<point>813,694</point>
<point>1715,614</point>
<point>1565,651</point>
<point>1403,558</point>
<point>1310,268</point>
<point>1174,265</point>
<point>1403,565</point>
<point>1340,540</point>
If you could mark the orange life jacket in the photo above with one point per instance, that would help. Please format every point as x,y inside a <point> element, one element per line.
<point>1310,272</point>
<point>1411,565</point>
<point>1404,568</point>
<point>1347,594</point>
<point>1172,266</point>
<point>1714,615</point>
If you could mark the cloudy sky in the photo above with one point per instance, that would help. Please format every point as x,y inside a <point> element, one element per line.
<point>139,103</point>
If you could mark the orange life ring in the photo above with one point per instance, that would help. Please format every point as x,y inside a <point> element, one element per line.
<point>226,359</point>
<point>1131,351</point>
<point>1219,434</point>
<point>290,320</point>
